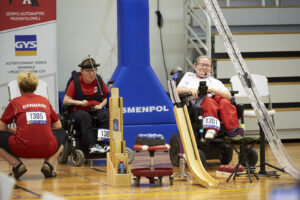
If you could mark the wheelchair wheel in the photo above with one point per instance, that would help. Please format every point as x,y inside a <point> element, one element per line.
<point>252,158</point>
<point>202,157</point>
<point>63,156</point>
<point>175,149</point>
<point>130,154</point>
<point>226,154</point>
<point>77,158</point>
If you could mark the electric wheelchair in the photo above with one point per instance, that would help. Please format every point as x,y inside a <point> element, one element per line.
<point>216,148</point>
<point>73,149</point>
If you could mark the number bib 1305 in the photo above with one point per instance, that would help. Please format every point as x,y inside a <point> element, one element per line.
<point>211,122</point>
<point>36,117</point>
<point>103,134</point>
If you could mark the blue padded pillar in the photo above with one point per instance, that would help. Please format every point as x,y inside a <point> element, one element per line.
<point>147,108</point>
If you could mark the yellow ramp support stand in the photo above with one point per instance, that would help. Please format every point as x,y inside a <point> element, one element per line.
<point>117,144</point>
<point>199,174</point>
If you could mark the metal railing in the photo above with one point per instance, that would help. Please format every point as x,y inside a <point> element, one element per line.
<point>196,45</point>
<point>263,3</point>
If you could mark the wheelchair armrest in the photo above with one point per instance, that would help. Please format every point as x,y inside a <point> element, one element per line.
<point>67,106</point>
<point>233,92</point>
<point>66,109</point>
<point>184,98</point>
<point>185,95</point>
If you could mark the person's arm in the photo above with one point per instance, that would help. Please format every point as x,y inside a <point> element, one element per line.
<point>4,127</point>
<point>70,95</point>
<point>101,105</point>
<point>182,90</point>
<point>226,94</point>
<point>68,99</point>
<point>56,125</point>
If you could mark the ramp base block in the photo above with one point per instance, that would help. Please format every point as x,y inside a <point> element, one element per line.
<point>115,179</point>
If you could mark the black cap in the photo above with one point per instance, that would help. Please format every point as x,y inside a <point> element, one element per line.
<point>87,63</point>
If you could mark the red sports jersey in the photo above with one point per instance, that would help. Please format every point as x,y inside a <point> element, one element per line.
<point>89,90</point>
<point>34,116</point>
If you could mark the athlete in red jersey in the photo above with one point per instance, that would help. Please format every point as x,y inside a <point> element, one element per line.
<point>33,138</point>
<point>89,89</point>
<point>84,92</point>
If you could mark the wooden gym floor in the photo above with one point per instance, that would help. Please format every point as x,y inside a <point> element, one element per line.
<point>89,182</point>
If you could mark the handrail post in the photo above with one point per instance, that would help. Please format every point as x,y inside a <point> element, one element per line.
<point>194,13</point>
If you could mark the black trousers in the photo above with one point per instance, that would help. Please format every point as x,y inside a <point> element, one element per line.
<point>84,124</point>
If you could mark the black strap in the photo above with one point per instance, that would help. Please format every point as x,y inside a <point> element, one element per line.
<point>49,165</point>
<point>80,95</point>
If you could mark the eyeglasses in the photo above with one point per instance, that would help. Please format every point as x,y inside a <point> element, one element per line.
<point>203,65</point>
<point>90,70</point>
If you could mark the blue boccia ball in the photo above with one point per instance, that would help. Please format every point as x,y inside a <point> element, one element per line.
<point>150,136</point>
<point>140,136</point>
<point>154,136</point>
<point>160,136</point>
<point>144,136</point>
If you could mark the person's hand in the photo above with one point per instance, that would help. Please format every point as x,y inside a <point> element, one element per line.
<point>84,103</point>
<point>98,107</point>
<point>194,92</point>
<point>211,90</point>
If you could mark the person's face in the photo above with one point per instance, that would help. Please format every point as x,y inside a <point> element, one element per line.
<point>203,67</point>
<point>89,75</point>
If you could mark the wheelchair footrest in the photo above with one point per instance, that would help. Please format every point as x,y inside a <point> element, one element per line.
<point>241,139</point>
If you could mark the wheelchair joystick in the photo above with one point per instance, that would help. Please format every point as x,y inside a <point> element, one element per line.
<point>93,112</point>
<point>202,89</point>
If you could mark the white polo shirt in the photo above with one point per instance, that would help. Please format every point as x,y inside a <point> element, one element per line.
<point>190,80</point>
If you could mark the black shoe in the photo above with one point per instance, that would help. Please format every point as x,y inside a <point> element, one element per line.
<point>48,170</point>
<point>18,170</point>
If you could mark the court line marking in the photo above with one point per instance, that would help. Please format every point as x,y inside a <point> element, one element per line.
<point>90,179</point>
<point>93,180</point>
<point>27,190</point>
<point>98,170</point>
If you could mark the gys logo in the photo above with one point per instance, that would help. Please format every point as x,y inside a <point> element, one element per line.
<point>25,45</point>
<point>24,2</point>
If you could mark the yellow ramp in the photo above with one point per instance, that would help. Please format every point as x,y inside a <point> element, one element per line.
<point>199,174</point>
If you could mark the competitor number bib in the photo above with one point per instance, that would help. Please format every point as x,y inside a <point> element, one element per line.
<point>36,117</point>
<point>211,122</point>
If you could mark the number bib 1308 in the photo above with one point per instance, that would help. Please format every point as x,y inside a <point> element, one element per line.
<point>103,134</point>
<point>211,122</point>
<point>36,117</point>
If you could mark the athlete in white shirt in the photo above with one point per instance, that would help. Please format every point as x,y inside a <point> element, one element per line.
<point>214,105</point>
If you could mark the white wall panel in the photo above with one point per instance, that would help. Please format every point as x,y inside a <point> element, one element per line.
<point>269,67</point>
<point>90,27</point>
<point>262,42</point>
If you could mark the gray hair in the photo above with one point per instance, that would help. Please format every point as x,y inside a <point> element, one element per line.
<point>203,56</point>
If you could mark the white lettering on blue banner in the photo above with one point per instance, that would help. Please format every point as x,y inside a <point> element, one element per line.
<point>145,109</point>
